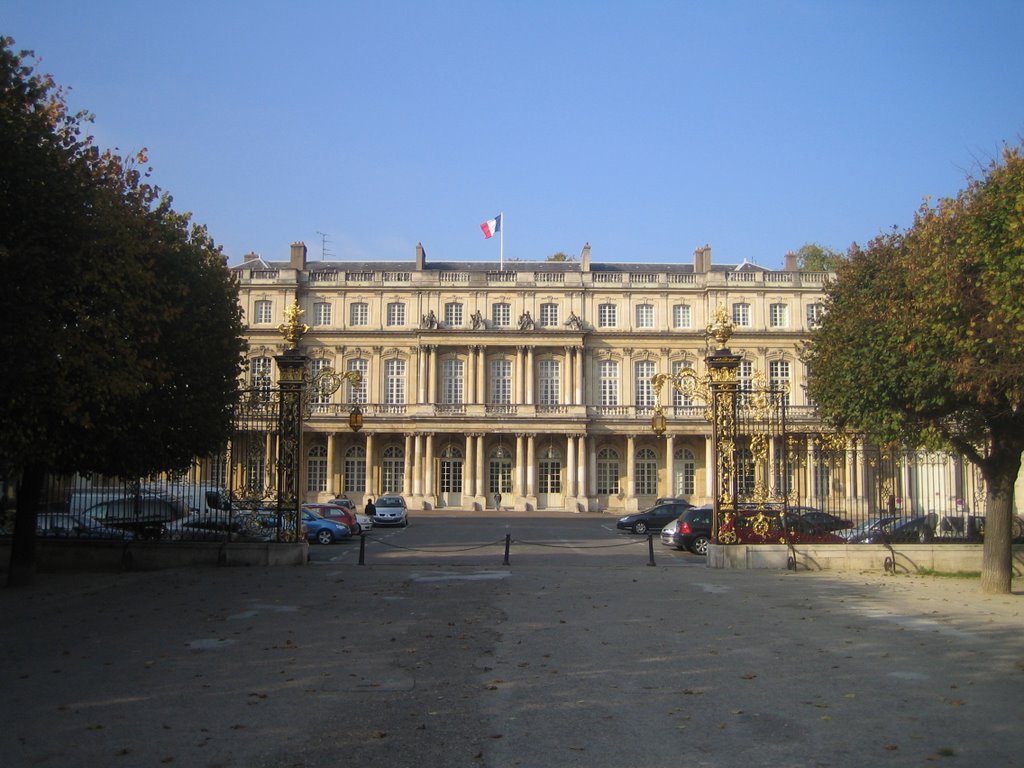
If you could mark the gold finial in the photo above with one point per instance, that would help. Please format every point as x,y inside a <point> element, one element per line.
<point>722,328</point>
<point>293,329</point>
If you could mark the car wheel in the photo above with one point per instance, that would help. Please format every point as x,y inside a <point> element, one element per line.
<point>324,537</point>
<point>639,527</point>
<point>699,546</point>
<point>405,523</point>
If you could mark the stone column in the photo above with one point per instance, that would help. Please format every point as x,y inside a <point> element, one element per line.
<point>670,449</point>
<point>332,477</point>
<point>531,468</point>
<point>581,469</point>
<point>468,475</point>
<point>631,502</point>
<point>428,470</point>
<point>529,376</point>
<point>432,376</point>
<point>407,465</point>
<point>470,383</point>
<point>417,469</point>
<point>578,397</point>
<point>519,376</point>
<point>481,468</point>
<point>481,375</point>
<point>370,463</point>
<point>570,467</point>
<point>519,485</point>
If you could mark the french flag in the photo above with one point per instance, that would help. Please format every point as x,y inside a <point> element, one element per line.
<point>491,227</point>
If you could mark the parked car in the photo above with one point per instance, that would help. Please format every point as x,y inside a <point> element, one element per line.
<point>343,501</point>
<point>653,519</point>
<point>390,510</point>
<point>773,526</point>
<point>365,521</point>
<point>893,528</point>
<point>324,530</point>
<point>823,520</point>
<point>217,526</point>
<point>693,529</point>
<point>145,517</point>
<point>336,512</point>
<point>669,531</point>
<point>75,526</point>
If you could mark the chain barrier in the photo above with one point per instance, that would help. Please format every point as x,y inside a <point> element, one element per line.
<point>507,541</point>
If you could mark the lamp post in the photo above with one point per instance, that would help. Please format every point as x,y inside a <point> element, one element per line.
<point>718,389</point>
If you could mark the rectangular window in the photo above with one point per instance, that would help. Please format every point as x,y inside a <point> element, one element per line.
<point>607,316</point>
<point>741,315</point>
<point>318,396</point>
<point>642,387</point>
<point>357,394</point>
<point>814,315</point>
<point>501,315</point>
<point>451,381</point>
<point>396,313</point>
<point>501,382</point>
<point>608,381</point>
<point>681,317</point>
<point>645,316</point>
<point>678,398</point>
<point>453,314</point>
<point>316,470</point>
<point>778,315</point>
<point>744,380</point>
<point>778,377</point>
<point>549,381</point>
<point>259,370</point>
<point>394,382</point>
<point>321,313</point>
<point>263,312</point>
<point>359,313</point>
<point>548,315</point>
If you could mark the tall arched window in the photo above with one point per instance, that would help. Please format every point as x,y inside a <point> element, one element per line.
<point>499,471</point>
<point>355,469</point>
<point>608,471</point>
<point>645,472</point>
<point>316,469</point>
<point>685,471</point>
<point>549,470</point>
<point>393,469</point>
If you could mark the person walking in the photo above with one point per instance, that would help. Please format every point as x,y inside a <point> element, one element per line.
<point>370,509</point>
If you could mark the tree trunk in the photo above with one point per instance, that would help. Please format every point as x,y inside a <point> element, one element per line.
<point>1000,471</point>
<point>22,568</point>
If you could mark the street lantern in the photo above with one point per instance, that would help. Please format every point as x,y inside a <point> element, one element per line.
<point>355,419</point>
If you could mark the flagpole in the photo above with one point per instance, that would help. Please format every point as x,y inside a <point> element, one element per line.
<point>501,248</point>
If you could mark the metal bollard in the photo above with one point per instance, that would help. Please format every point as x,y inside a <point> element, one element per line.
<point>362,549</point>
<point>508,542</point>
<point>650,549</point>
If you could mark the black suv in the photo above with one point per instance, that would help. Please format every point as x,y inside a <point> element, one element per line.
<point>653,519</point>
<point>694,529</point>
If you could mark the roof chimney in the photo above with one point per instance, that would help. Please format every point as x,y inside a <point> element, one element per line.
<point>250,256</point>
<point>421,257</point>
<point>585,258</point>
<point>298,258</point>
<point>702,259</point>
<point>790,264</point>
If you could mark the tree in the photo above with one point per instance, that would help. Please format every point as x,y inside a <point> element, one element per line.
<point>922,341</point>
<point>121,332</point>
<point>817,258</point>
<point>560,256</point>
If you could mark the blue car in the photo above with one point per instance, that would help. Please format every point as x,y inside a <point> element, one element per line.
<point>323,530</point>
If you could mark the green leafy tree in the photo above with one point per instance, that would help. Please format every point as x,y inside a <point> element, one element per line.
<point>121,332</point>
<point>817,258</point>
<point>923,341</point>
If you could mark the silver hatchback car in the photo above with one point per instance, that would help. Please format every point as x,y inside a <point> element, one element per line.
<point>390,511</point>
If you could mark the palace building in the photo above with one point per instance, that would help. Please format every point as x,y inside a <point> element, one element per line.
<point>522,384</point>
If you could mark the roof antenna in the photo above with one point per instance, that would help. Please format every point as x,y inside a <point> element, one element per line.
<point>324,252</point>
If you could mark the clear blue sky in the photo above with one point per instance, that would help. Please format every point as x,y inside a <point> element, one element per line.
<point>646,128</point>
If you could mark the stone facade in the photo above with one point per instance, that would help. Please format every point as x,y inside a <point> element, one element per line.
<point>527,379</point>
